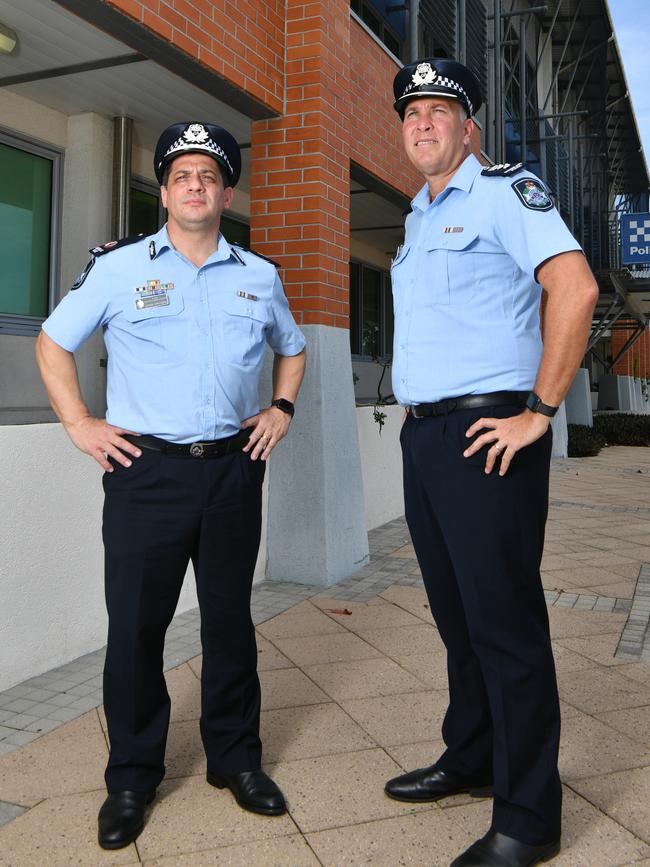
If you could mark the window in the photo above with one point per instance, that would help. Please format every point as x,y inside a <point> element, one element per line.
<point>386,19</point>
<point>235,231</point>
<point>146,213</point>
<point>28,227</point>
<point>371,312</point>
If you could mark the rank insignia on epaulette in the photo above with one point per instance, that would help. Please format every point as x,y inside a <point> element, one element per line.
<point>102,249</point>
<point>502,170</point>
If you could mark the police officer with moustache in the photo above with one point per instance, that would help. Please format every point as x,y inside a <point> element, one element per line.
<point>186,316</point>
<point>480,390</point>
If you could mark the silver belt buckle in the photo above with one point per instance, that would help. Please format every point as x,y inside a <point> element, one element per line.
<point>414,410</point>
<point>196,450</point>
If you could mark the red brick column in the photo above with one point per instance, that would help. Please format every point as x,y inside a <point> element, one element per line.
<point>300,166</point>
<point>623,366</point>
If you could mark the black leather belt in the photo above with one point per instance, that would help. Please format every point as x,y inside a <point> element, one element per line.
<point>211,449</point>
<point>469,401</point>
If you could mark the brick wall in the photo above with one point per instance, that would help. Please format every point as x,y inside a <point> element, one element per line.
<point>243,42</point>
<point>635,362</point>
<point>300,177</point>
<point>375,127</point>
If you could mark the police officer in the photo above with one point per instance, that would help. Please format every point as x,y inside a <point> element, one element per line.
<point>186,316</point>
<point>480,390</point>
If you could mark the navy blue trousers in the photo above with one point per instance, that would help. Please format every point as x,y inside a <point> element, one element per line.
<point>159,514</point>
<point>479,540</point>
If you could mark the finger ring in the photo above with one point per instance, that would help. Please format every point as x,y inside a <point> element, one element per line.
<point>497,448</point>
<point>264,436</point>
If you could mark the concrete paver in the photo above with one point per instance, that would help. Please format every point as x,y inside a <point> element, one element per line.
<point>350,700</point>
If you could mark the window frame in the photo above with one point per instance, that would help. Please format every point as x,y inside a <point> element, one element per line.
<point>385,288</point>
<point>29,326</point>
<point>152,188</point>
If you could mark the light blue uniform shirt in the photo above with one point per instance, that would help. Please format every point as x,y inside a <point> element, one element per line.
<point>465,296</point>
<point>184,354</point>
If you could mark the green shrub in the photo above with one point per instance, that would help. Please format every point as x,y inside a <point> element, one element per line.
<point>620,429</point>
<point>584,441</point>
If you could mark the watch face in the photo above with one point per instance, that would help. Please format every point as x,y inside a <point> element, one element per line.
<point>284,405</point>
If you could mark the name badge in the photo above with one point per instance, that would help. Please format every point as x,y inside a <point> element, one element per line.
<point>153,294</point>
<point>241,294</point>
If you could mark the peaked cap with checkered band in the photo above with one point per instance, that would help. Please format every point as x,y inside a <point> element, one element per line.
<point>201,138</point>
<point>437,77</point>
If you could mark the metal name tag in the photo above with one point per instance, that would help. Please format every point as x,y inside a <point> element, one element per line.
<point>146,301</point>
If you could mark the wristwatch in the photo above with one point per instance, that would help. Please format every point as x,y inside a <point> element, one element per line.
<point>534,404</point>
<point>284,405</point>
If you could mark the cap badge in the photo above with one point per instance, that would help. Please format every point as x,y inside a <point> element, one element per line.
<point>424,74</point>
<point>196,133</point>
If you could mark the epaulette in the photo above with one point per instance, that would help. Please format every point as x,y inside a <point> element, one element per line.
<point>254,253</point>
<point>101,249</point>
<point>503,170</point>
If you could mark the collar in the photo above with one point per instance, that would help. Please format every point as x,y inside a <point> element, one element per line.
<point>462,179</point>
<point>160,242</point>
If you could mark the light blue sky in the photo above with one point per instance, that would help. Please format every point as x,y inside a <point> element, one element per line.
<point>631,20</point>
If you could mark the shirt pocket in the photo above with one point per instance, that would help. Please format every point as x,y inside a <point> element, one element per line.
<point>161,332</point>
<point>244,327</point>
<point>452,262</point>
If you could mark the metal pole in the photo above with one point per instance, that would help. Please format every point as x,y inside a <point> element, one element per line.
<point>564,50</point>
<point>122,140</point>
<point>498,85</point>
<point>571,190</point>
<point>522,88</point>
<point>414,12</point>
<point>462,32</point>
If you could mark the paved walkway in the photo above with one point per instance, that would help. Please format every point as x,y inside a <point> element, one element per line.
<point>354,689</point>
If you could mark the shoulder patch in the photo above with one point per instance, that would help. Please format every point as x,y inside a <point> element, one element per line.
<point>102,249</point>
<point>86,271</point>
<point>532,194</point>
<point>255,253</point>
<point>502,170</point>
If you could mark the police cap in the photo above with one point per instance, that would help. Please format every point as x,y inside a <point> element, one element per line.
<point>437,77</point>
<point>200,138</point>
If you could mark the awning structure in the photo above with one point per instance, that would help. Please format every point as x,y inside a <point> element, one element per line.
<point>70,65</point>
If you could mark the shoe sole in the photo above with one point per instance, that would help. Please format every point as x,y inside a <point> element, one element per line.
<point>132,836</point>
<point>551,852</point>
<point>220,783</point>
<point>478,792</point>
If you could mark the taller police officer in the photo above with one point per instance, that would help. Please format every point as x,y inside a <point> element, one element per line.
<point>480,388</point>
<point>185,316</point>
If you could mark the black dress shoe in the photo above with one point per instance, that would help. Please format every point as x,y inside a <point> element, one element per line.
<point>121,818</point>
<point>253,790</point>
<point>431,784</point>
<point>497,850</point>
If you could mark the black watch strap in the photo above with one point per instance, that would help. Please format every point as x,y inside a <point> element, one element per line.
<point>534,404</point>
<point>284,405</point>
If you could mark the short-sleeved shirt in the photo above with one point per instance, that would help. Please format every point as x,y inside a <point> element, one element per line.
<point>465,296</point>
<point>185,344</point>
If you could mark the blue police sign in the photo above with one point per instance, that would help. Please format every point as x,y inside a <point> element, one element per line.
<point>635,239</point>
